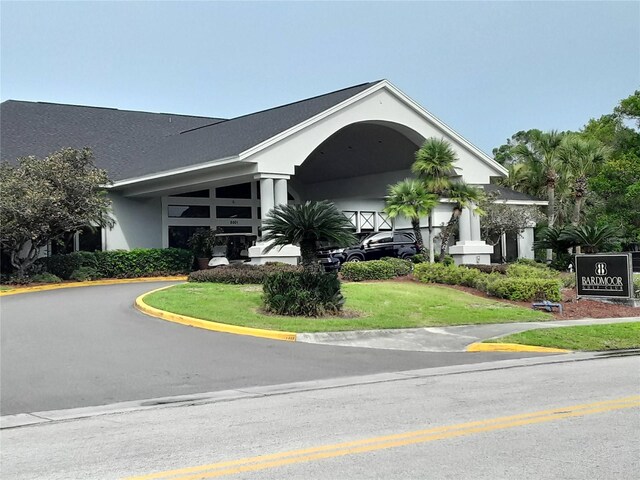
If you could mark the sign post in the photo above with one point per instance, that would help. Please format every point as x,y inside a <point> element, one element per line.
<point>606,276</point>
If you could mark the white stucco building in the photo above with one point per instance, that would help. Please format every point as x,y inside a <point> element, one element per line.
<point>173,174</point>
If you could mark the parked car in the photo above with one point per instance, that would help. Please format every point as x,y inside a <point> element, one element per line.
<point>373,246</point>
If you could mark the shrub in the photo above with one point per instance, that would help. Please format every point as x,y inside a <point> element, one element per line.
<point>45,278</point>
<point>241,274</point>
<point>400,266</point>
<point>370,270</point>
<point>526,271</point>
<point>530,262</point>
<point>419,258</point>
<point>447,274</point>
<point>526,289</point>
<point>121,263</point>
<point>83,274</point>
<point>636,285</point>
<point>500,268</point>
<point>448,260</point>
<point>304,293</point>
<point>568,279</point>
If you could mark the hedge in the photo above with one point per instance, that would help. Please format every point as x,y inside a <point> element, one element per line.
<point>383,269</point>
<point>241,274</point>
<point>538,285</point>
<point>140,262</point>
<point>309,294</point>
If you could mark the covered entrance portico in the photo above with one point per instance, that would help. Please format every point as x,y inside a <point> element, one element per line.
<point>349,154</point>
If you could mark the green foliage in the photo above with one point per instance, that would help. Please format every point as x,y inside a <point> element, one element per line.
<point>434,164</point>
<point>308,294</point>
<point>84,274</point>
<point>410,199</point>
<point>591,238</point>
<point>419,258</point>
<point>203,241</point>
<point>121,263</point>
<point>524,283</point>
<point>529,271</point>
<point>370,270</point>
<point>494,267</point>
<point>401,267</point>
<point>42,200</point>
<point>306,225</point>
<point>241,274</point>
<point>636,285</point>
<point>45,278</point>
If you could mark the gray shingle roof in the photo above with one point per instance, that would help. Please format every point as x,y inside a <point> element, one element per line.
<point>505,193</point>
<point>130,144</point>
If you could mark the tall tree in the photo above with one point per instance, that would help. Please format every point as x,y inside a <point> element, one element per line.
<point>581,158</point>
<point>433,165</point>
<point>305,225</point>
<point>463,196</point>
<point>410,198</point>
<point>41,200</point>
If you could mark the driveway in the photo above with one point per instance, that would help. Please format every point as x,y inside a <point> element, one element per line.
<point>88,346</point>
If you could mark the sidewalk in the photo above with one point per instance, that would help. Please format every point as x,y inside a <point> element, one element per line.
<point>441,339</point>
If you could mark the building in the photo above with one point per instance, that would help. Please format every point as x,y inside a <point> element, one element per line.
<point>173,174</point>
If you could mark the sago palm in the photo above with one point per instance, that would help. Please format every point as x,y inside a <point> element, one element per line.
<point>463,196</point>
<point>305,225</point>
<point>410,199</point>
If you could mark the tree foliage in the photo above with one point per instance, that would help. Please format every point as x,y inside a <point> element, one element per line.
<point>305,225</point>
<point>501,219</point>
<point>43,199</point>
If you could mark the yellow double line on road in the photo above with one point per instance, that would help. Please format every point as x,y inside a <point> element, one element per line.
<point>263,462</point>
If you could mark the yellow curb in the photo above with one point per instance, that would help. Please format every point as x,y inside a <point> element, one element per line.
<point>206,324</point>
<point>512,347</point>
<point>93,283</point>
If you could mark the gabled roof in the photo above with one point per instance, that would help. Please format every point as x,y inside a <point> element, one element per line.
<point>511,196</point>
<point>131,144</point>
<point>118,138</point>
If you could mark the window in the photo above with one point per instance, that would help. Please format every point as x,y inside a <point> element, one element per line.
<point>233,212</point>
<point>189,211</point>
<point>404,238</point>
<point>90,239</point>
<point>179,236</point>
<point>196,194</point>
<point>240,190</point>
<point>380,238</point>
<point>236,229</point>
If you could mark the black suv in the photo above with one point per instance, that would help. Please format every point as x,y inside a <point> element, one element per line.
<point>373,246</point>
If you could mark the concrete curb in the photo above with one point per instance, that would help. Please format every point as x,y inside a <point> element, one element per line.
<point>206,324</point>
<point>53,416</point>
<point>93,283</point>
<point>512,347</point>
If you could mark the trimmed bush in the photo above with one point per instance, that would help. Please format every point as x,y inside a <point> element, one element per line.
<point>308,294</point>
<point>526,271</point>
<point>45,278</point>
<point>526,289</point>
<point>401,267</point>
<point>83,274</point>
<point>241,274</point>
<point>121,263</point>
<point>370,270</point>
<point>500,268</point>
<point>419,258</point>
<point>512,287</point>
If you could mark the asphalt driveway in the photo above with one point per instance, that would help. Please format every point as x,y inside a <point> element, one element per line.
<point>88,346</point>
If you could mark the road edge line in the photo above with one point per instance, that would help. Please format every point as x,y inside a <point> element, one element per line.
<point>92,283</point>
<point>512,347</point>
<point>209,325</point>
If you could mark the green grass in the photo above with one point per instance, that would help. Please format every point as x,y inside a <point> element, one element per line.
<point>368,306</point>
<point>588,338</point>
<point>5,287</point>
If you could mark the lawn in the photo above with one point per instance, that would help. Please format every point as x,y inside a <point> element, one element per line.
<point>4,288</point>
<point>587,338</point>
<point>368,306</point>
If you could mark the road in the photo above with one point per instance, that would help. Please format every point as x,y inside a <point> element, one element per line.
<point>570,420</point>
<point>88,346</point>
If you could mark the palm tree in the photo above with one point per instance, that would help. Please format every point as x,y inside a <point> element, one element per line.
<point>542,157</point>
<point>462,196</point>
<point>434,166</point>
<point>580,157</point>
<point>306,224</point>
<point>410,198</point>
<point>592,239</point>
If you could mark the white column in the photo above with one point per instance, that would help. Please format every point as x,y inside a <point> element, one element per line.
<point>266,196</point>
<point>464,225</point>
<point>280,191</point>
<point>475,224</point>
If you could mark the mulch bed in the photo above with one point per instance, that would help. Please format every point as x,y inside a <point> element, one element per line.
<point>572,309</point>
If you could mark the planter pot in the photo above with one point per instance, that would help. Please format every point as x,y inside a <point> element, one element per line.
<point>203,263</point>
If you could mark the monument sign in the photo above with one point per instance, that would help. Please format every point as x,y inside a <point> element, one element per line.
<point>604,275</point>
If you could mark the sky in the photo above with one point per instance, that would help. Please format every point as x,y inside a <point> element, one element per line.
<point>487,69</point>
